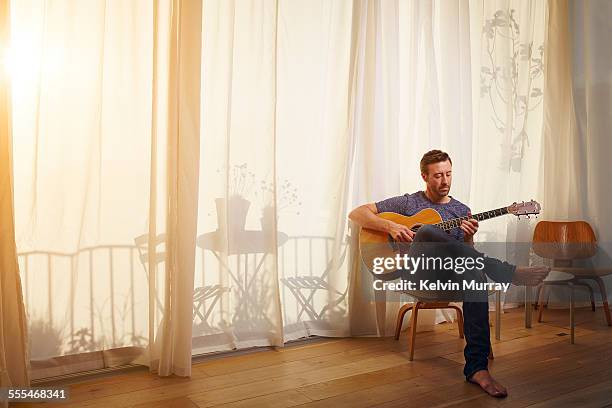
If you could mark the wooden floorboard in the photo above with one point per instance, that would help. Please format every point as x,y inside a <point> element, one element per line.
<point>538,365</point>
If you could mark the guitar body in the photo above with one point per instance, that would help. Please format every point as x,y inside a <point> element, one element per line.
<point>375,244</point>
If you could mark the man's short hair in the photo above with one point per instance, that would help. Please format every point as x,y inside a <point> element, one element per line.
<point>433,156</point>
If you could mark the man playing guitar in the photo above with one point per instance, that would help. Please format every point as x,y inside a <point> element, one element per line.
<point>436,171</point>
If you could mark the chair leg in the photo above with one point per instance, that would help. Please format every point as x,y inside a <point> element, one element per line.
<point>413,326</point>
<point>491,356</point>
<point>572,318</point>
<point>498,311</point>
<point>541,302</point>
<point>537,296</point>
<point>591,294</point>
<point>400,319</point>
<point>459,320</point>
<point>604,299</point>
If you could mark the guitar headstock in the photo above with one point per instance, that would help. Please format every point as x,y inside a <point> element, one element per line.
<point>525,208</point>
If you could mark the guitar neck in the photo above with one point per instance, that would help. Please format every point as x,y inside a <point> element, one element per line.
<point>456,222</point>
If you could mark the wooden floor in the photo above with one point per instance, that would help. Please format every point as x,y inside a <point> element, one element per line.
<point>538,365</point>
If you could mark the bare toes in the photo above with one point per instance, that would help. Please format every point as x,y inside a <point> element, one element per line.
<point>501,389</point>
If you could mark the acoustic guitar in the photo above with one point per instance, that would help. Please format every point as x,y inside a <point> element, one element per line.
<point>376,244</point>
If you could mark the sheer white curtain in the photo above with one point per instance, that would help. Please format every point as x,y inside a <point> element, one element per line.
<point>507,83</point>
<point>82,103</point>
<point>578,113</point>
<point>591,68</point>
<point>577,121</point>
<point>137,235</point>
<point>105,173</point>
<point>177,45</point>
<point>592,91</point>
<point>13,325</point>
<point>275,142</point>
<point>106,123</point>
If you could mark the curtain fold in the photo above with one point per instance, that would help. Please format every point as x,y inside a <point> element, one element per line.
<point>561,152</point>
<point>173,342</point>
<point>14,357</point>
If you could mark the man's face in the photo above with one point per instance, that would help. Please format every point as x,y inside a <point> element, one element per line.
<point>439,177</point>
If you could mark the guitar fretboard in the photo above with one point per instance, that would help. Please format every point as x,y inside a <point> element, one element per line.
<point>456,222</point>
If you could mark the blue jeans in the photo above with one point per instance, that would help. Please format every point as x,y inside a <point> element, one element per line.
<point>434,242</point>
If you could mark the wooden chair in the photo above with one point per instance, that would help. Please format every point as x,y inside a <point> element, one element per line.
<point>415,307</point>
<point>564,242</point>
<point>422,304</point>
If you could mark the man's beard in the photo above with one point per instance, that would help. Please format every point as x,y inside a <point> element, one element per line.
<point>442,192</point>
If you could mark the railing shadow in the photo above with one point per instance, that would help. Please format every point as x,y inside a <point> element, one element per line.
<point>79,287</point>
<point>97,298</point>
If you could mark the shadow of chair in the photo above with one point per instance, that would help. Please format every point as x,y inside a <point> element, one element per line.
<point>201,296</point>
<point>312,284</point>
<point>305,287</point>
<point>142,244</point>
<point>563,243</point>
<point>205,298</point>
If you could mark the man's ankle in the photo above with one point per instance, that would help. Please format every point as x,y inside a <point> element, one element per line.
<point>479,372</point>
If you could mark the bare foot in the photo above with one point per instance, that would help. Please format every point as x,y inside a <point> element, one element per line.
<point>530,275</point>
<point>488,384</point>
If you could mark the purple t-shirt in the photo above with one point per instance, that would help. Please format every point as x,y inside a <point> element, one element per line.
<point>410,204</point>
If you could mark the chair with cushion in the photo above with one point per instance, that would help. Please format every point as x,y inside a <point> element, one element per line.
<point>563,243</point>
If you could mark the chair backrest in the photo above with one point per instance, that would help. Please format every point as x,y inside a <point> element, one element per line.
<point>564,240</point>
<point>142,243</point>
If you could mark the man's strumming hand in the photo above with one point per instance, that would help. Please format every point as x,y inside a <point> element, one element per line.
<point>469,228</point>
<point>400,232</point>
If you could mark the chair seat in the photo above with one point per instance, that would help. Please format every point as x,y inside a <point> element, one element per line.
<point>428,296</point>
<point>582,272</point>
<point>558,276</point>
<point>436,296</point>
